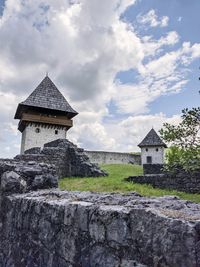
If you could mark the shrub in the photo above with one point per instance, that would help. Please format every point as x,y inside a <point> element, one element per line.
<point>185,140</point>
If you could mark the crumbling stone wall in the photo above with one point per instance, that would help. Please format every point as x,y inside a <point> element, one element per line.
<point>72,229</point>
<point>21,176</point>
<point>53,228</point>
<point>153,168</point>
<point>182,181</point>
<point>68,159</point>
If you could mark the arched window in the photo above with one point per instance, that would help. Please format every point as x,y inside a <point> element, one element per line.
<point>146,149</point>
<point>56,131</point>
<point>157,149</point>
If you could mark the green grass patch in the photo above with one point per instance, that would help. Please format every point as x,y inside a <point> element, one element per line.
<point>114,182</point>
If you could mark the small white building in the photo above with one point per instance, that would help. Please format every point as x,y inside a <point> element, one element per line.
<point>152,149</point>
<point>44,116</point>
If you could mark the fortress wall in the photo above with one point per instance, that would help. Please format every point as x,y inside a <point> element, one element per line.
<point>186,182</point>
<point>104,157</point>
<point>41,226</point>
<point>53,228</point>
<point>68,159</point>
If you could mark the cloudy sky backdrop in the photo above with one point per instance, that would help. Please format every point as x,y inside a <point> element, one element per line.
<point>124,65</point>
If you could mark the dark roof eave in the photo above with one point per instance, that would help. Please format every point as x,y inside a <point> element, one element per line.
<point>21,106</point>
<point>161,145</point>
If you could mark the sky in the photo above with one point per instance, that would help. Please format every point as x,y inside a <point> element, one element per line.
<point>125,65</point>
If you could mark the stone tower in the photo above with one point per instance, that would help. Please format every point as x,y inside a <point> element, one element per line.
<point>44,116</point>
<point>152,149</point>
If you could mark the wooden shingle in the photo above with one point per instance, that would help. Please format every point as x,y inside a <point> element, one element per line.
<point>46,96</point>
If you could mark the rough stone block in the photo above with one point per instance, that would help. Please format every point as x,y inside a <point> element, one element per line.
<point>82,229</point>
<point>21,176</point>
<point>68,159</point>
<point>186,182</point>
<point>153,168</point>
<point>11,183</point>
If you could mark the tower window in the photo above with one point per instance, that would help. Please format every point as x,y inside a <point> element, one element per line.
<point>37,130</point>
<point>56,131</point>
<point>149,160</point>
<point>146,149</point>
<point>157,149</point>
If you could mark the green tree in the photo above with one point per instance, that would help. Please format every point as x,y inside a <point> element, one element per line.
<point>184,140</point>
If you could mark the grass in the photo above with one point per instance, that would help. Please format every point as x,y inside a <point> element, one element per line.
<point>114,182</point>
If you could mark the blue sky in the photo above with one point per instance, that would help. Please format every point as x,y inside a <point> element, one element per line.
<point>125,66</point>
<point>1,6</point>
<point>188,29</point>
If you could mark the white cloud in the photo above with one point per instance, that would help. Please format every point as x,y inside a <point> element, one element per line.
<point>152,47</point>
<point>84,45</point>
<point>120,135</point>
<point>159,76</point>
<point>179,19</point>
<point>11,127</point>
<point>93,136</point>
<point>152,19</point>
<point>142,125</point>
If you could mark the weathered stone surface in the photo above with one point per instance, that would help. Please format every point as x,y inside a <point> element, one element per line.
<point>34,150</point>
<point>44,181</point>
<point>19,177</point>
<point>68,159</point>
<point>11,182</point>
<point>182,181</point>
<point>81,229</point>
<point>153,168</point>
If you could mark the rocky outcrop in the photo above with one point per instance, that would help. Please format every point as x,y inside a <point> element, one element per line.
<point>68,159</point>
<point>73,229</point>
<point>21,176</point>
<point>182,181</point>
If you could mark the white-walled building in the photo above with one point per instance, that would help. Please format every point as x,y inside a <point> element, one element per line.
<point>44,116</point>
<point>152,149</point>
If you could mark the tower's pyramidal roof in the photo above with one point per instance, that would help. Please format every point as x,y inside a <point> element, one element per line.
<point>152,139</point>
<point>46,96</point>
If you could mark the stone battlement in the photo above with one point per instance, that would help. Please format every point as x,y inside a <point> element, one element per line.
<point>82,229</point>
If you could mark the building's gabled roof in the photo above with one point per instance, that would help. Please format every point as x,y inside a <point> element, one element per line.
<point>152,139</point>
<point>46,96</point>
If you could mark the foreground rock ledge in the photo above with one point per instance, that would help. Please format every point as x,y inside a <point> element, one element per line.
<point>73,229</point>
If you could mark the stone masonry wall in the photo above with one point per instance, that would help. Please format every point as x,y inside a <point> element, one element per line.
<point>68,159</point>
<point>156,153</point>
<point>181,182</point>
<point>104,157</point>
<point>53,228</point>
<point>153,168</point>
<point>32,138</point>
<point>21,176</point>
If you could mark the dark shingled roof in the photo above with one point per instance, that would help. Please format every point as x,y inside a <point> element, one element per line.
<point>46,96</point>
<point>152,139</point>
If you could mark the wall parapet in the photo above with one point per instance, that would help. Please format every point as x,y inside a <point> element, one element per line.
<point>153,168</point>
<point>79,229</point>
<point>106,157</point>
<point>186,182</point>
